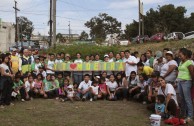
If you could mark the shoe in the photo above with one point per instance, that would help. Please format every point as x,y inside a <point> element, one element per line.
<point>95,98</point>
<point>188,120</point>
<point>84,99</point>
<point>22,100</point>
<point>144,102</point>
<point>11,104</point>
<point>2,107</point>
<point>91,99</point>
<point>62,100</point>
<point>57,98</point>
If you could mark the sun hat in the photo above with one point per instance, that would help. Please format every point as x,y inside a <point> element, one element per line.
<point>158,54</point>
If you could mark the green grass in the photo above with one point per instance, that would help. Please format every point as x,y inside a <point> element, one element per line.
<point>41,112</point>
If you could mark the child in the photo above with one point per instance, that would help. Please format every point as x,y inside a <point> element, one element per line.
<point>102,88</point>
<point>19,89</point>
<point>54,86</point>
<point>94,91</point>
<point>142,85</point>
<point>60,79</point>
<point>63,90</point>
<point>38,85</point>
<point>97,78</point>
<point>159,105</point>
<point>47,86</point>
<point>29,86</point>
<point>111,87</point>
<point>70,93</point>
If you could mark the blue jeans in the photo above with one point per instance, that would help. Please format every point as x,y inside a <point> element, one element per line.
<point>86,95</point>
<point>77,77</point>
<point>185,95</point>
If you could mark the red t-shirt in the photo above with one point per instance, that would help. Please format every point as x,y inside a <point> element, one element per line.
<point>103,87</point>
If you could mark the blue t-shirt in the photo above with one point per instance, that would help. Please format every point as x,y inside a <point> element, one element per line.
<point>160,107</point>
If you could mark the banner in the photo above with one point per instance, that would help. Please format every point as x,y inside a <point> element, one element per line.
<point>94,66</point>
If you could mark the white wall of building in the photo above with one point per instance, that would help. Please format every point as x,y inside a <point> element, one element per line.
<point>7,36</point>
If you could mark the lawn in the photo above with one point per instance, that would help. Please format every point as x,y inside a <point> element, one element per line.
<point>54,113</point>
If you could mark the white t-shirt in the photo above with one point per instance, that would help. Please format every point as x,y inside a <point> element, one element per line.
<point>27,85</point>
<point>168,90</point>
<point>50,65</point>
<point>172,76</point>
<point>5,67</point>
<point>37,66</point>
<point>112,85</point>
<point>130,68</point>
<point>95,89</point>
<point>58,61</point>
<point>70,93</point>
<point>142,85</point>
<point>84,86</point>
<point>78,61</point>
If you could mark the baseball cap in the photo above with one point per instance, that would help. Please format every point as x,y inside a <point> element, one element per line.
<point>106,55</point>
<point>158,54</point>
<point>14,49</point>
<point>169,52</point>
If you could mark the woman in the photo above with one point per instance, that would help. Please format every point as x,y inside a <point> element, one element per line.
<point>122,89</point>
<point>78,76</point>
<point>150,59</point>
<point>6,81</point>
<point>143,58</point>
<point>168,70</point>
<point>169,93</point>
<point>184,78</point>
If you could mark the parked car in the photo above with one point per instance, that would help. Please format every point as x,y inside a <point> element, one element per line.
<point>141,39</point>
<point>189,35</point>
<point>175,36</point>
<point>157,37</point>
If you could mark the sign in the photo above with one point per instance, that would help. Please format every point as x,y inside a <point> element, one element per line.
<point>94,66</point>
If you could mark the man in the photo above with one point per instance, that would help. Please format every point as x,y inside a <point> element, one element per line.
<point>14,61</point>
<point>131,63</point>
<point>25,62</point>
<point>111,57</point>
<point>122,53</point>
<point>84,88</point>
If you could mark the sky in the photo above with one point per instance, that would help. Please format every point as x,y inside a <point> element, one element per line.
<point>80,11</point>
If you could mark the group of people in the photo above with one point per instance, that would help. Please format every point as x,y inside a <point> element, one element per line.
<point>163,80</point>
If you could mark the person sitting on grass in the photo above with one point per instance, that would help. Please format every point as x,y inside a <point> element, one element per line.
<point>70,93</point>
<point>63,90</point>
<point>19,89</point>
<point>111,88</point>
<point>94,89</point>
<point>38,86</point>
<point>142,86</point>
<point>84,88</point>
<point>49,90</point>
<point>55,87</point>
<point>159,105</point>
<point>29,87</point>
<point>102,88</point>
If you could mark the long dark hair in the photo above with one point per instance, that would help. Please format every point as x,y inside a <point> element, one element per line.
<point>132,72</point>
<point>8,63</point>
<point>144,56</point>
<point>119,81</point>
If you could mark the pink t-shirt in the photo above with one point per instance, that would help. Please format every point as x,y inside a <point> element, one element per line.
<point>38,84</point>
<point>103,87</point>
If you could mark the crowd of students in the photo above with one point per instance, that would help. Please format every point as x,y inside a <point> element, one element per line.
<point>162,80</point>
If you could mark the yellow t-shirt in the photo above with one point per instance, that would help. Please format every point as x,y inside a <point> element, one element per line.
<point>147,70</point>
<point>14,64</point>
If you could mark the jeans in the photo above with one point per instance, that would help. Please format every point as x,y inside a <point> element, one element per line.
<point>77,77</point>
<point>122,93</point>
<point>86,95</point>
<point>185,95</point>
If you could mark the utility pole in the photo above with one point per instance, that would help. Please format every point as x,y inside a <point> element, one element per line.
<point>54,23</point>
<point>50,22</point>
<point>69,30</point>
<point>17,35</point>
<point>142,16</point>
<point>139,18</point>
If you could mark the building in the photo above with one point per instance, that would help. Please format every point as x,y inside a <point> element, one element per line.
<point>7,35</point>
<point>72,36</point>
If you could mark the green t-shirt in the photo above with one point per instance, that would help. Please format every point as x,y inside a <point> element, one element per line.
<point>47,85</point>
<point>17,84</point>
<point>151,61</point>
<point>120,60</point>
<point>61,82</point>
<point>184,73</point>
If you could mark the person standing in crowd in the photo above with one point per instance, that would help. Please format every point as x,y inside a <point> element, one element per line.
<point>111,57</point>
<point>97,59</point>
<point>168,91</point>
<point>58,58</point>
<point>159,61</point>
<point>31,55</point>
<point>50,64</point>
<point>67,60</point>
<point>14,61</point>
<point>87,60</point>
<point>131,63</point>
<point>165,50</point>
<point>36,65</point>
<point>136,54</point>
<point>77,75</point>
<point>150,60</point>
<point>143,59</point>
<point>168,70</point>
<point>118,58</point>
<point>62,56</point>
<point>92,57</point>
<point>6,82</point>
<point>25,60</point>
<point>84,88</point>
<point>185,77</point>
<point>122,53</point>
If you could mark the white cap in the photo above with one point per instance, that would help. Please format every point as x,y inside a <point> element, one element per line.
<point>106,55</point>
<point>98,77</point>
<point>169,52</point>
<point>70,86</point>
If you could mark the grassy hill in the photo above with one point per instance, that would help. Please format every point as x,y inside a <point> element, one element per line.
<point>86,49</point>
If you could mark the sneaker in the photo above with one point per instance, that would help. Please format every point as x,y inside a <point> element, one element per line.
<point>57,98</point>
<point>2,107</point>
<point>62,100</point>
<point>83,99</point>
<point>22,100</point>
<point>91,99</point>
<point>144,102</point>
<point>95,98</point>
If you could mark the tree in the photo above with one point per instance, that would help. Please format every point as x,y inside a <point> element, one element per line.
<point>131,30</point>
<point>83,36</point>
<point>103,25</point>
<point>26,27</point>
